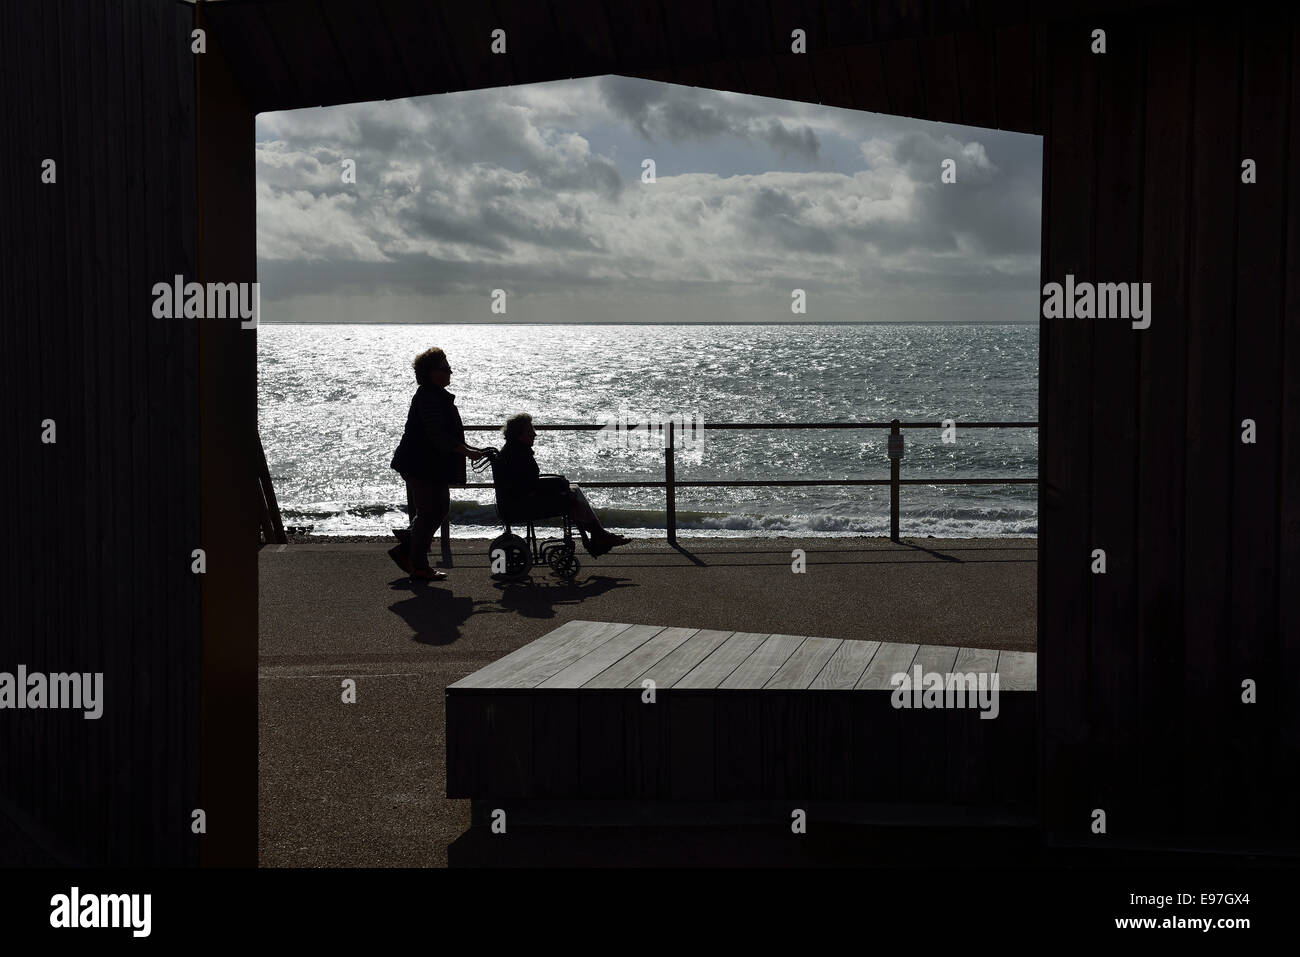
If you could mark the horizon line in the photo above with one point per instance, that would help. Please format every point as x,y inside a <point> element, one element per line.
<point>516,322</point>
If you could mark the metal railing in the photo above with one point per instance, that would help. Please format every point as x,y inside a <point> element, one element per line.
<point>671,483</point>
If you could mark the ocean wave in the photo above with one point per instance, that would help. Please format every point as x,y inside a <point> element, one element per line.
<point>474,519</point>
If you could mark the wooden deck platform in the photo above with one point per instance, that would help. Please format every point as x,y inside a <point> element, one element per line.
<point>737,716</point>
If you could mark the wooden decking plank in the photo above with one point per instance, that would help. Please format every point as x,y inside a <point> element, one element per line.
<point>1017,671</point>
<point>890,659</point>
<point>805,664</point>
<point>602,657</point>
<point>682,659</point>
<point>726,658</point>
<point>767,659</point>
<point>484,677</point>
<point>535,669</point>
<point>846,666</point>
<point>627,671</point>
<point>938,658</point>
<point>976,660</point>
<point>557,659</point>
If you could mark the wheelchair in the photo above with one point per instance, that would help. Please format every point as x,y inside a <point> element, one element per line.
<point>521,554</point>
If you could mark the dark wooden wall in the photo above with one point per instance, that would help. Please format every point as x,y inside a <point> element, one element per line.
<point>1140,669</point>
<point>95,570</point>
<point>1140,436</point>
<point>1140,450</point>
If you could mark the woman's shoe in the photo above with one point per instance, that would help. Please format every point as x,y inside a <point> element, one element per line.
<point>428,575</point>
<point>603,541</point>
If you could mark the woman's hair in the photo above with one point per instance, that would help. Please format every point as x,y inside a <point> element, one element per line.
<point>424,364</point>
<point>516,424</point>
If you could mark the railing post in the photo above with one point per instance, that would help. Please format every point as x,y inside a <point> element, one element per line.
<point>895,456</point>
<point>670,476</point>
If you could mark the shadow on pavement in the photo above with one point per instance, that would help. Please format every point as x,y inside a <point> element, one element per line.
<point>537,597</point>
<point>433,614</point>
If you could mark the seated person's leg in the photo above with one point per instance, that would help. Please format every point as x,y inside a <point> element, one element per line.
<point>580,510</point>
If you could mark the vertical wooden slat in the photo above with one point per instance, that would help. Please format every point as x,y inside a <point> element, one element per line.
<point>183,530</point>
<point>737,726</point>
<point>1118,249</point>
<point>430,65</point>
<point>11,428</point>
<point>587,34</point>
<point>1210,435</point>
<point>1014,66</point>
<point>127,554</point>
<point>83,470</point>
<point>1162,372</point>
<point>1287,753</point>
<point>831,76</point>
<point>227,421</point>
<point>1065,383</point>
<point>977,76</point>
<point>556,745</point>
<point>114,552</point>
<point>602,755</point>
<point>647,772</point>
<point>52,635</point>
<point>867,80</point>
<point>902,63</point>
<point>301,35</point>
<point>103,383</point>
<point>694,751</point>
<point>1261,235</point>
<point>143,178</point>
<point>940,79</point>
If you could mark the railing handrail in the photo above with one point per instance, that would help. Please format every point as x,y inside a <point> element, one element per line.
<point>671,483</point>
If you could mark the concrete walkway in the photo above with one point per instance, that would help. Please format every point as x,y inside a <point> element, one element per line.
<point>363,784</point>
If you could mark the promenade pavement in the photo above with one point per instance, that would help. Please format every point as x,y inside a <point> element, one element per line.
<point>364,784</point>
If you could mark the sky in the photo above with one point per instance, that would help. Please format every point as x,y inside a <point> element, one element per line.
<point>537,191</point>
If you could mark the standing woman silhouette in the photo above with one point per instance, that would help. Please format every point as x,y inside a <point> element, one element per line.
<point>430,458</point>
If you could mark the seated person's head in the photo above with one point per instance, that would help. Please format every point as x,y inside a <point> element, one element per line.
<point>519,428</point>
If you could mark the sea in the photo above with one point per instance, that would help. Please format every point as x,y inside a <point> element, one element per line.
<point>333,399</point>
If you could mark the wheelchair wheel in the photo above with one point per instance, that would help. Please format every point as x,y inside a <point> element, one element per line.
<point>514,551</point>
<point>564,564</point>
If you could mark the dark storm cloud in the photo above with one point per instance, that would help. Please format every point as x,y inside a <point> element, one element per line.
<point>661,111</point>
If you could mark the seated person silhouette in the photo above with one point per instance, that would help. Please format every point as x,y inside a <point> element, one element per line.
<point>518,480</point>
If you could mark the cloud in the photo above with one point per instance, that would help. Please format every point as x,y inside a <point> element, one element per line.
<point>677,113</point>
<point>523,188</point>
